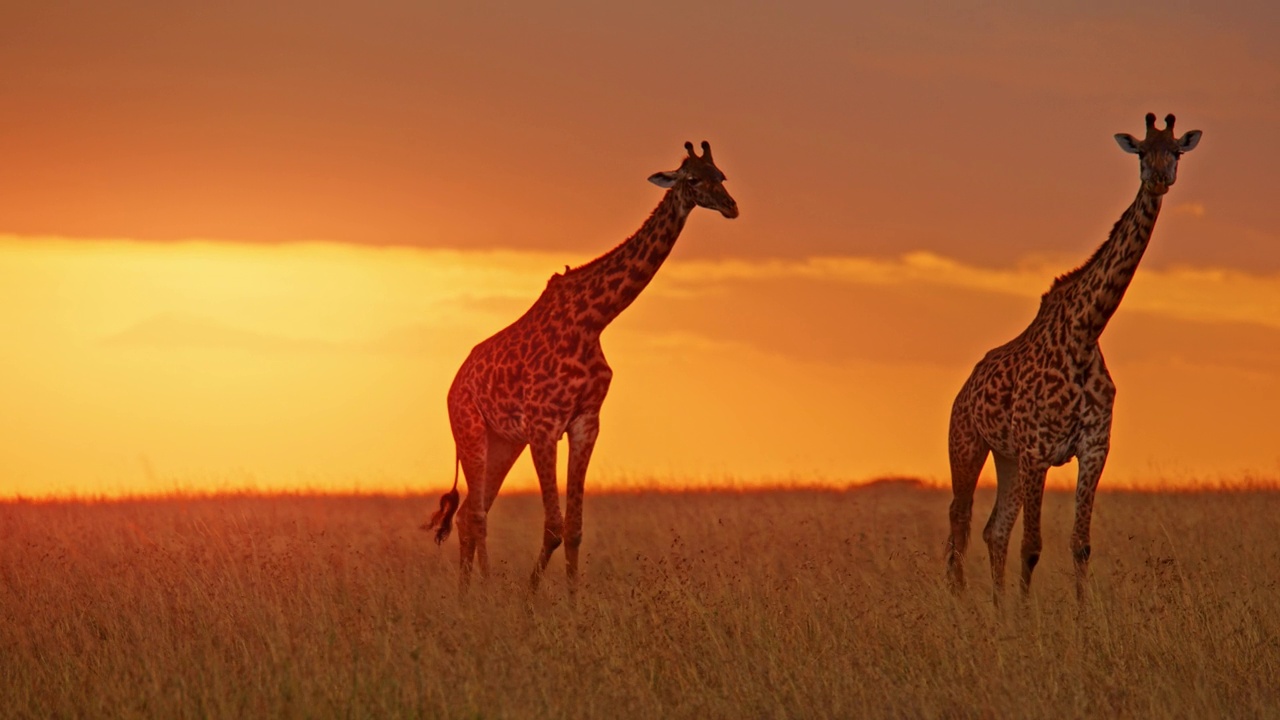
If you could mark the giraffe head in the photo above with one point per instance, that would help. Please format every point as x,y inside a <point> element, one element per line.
<point>1158,153</point>
<point>702,179</point>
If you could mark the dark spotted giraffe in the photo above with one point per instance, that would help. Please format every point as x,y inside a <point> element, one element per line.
<point>1046,396</point>
<point>545,375</point>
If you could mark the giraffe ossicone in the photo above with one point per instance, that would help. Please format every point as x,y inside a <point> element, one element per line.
<point>1046,396</point>
<point>545,376</point>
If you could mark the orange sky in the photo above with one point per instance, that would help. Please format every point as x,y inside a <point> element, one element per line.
<point>377,190</point>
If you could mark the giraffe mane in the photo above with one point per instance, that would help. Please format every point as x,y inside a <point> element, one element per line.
<point>1069,276</point>
<point>592,264</point>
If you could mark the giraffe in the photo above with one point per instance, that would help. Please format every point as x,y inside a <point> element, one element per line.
<point>545,376</point>
<point>1046,396</point>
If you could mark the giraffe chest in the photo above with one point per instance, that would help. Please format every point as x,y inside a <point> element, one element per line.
<point>1041,403</point>
<point>1039,415</point>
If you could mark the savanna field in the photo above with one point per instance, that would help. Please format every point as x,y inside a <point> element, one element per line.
<point>786,603</point>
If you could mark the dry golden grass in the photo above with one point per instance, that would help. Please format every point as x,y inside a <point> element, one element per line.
<point>772,604</point>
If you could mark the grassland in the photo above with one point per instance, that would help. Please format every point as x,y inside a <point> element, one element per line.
<point>714,604</point>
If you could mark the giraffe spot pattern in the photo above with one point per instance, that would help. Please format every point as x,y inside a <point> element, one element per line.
<point>545,375</point>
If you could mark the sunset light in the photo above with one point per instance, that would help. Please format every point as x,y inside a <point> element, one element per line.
<point>838,323</point>
<point>251,251</point>
<point>204,365</point>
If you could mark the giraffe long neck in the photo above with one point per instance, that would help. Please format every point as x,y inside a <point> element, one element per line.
<point>612,281</point>
<point>1104,279</point>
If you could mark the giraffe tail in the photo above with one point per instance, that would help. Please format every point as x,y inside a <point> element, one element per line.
<point>442,519</point>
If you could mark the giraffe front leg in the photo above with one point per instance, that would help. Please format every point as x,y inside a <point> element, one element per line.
<point>583,431</point>
<point>1000,524</point>
<point>1032,479</point>
<point>544,462</point>
<point>1091,463</point>
<point>968,453</point>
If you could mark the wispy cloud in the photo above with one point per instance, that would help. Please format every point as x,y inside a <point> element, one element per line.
<point>1200,294</point>
<point>322,295</point>
<point>1189,209</point>
<point>172,331</point>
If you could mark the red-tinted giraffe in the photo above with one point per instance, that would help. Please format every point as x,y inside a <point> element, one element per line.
<point>545,375</point>
<point>1046,396</point>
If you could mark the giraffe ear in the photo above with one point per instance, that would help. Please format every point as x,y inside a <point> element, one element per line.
<point>1127,142</point>
<point>1188,142</point>
<point>664,179</point>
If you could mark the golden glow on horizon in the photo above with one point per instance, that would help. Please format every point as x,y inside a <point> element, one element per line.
<point>142,368</point>
<point>910,184</point>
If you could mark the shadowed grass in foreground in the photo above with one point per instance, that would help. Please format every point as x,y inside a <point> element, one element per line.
<point>769,604</point>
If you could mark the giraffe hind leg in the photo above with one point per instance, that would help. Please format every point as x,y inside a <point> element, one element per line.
<point>469,434</point>
<point>466,542</point>
<point>500,456</point>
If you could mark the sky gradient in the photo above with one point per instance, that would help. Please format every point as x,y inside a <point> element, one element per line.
<point>248,242</point>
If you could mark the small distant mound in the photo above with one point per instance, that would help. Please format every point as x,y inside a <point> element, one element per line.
<point>893,481</point>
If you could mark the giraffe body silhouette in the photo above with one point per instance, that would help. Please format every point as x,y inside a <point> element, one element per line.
<point>1046,396</point>
<point>545,376</point>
